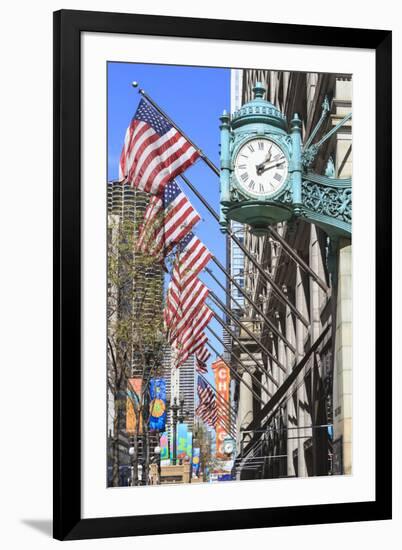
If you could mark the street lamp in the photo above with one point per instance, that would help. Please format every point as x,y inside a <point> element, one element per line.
<point>178,415</point>
<point>157,452</point>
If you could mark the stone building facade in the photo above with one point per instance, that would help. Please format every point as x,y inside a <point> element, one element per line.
<point>309,431</point>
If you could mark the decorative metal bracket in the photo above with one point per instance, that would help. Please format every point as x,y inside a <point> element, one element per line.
<point>310,151</point>
<point>327,202</point>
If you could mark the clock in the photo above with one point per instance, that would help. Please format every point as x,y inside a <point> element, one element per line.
<point>260,167</point>
<point>228,447</point>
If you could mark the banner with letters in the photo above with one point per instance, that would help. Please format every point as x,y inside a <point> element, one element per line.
<point>222,385</point>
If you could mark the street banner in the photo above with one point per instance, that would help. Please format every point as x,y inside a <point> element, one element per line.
<point>196,460</point>
<point>157,407</point>
<point>189,451</point>
<point>181,441</point>
<point>134,387</point>
<point>164,446</point>
<point>222,384</point>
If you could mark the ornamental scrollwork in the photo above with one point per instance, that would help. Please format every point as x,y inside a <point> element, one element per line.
<point>286,197</point>
<point>328,201</point>
<point>308,156</point>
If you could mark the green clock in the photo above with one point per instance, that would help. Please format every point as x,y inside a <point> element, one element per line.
<point>260,167</point>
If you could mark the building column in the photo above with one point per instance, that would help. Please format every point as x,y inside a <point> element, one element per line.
<point>303,417</point>
<point>245,414</point>
<point>291,408</point>
<point>343,362</point>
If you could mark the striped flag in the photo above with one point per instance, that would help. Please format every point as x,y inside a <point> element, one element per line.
<point>167,220</point>
<point>192,337</point>
<point>154,152</point>
<point>193,257</point>
<point>202,355</point>
<point>182,304</point>
<point>206,409</point>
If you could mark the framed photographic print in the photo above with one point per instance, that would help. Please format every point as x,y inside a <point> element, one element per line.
<point>222,351</point>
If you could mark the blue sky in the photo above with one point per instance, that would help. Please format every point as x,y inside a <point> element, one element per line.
<point>194,97</point>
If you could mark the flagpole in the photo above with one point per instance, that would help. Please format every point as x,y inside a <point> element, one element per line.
<point>265,275</point>
<point>246,351</point>
<point>222,306</point>
<point>204,157</point>
<point>238,360</point>
<point>249,300</point>
<point>232,369</point>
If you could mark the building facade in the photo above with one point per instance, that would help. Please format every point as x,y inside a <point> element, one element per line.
<point>135,291</point>
<point>309,430</point>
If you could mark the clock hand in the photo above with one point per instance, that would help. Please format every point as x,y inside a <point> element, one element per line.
<point>267,158</point>
<point>261,168</point>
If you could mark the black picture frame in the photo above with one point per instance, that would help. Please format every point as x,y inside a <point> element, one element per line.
<point>68,27</point>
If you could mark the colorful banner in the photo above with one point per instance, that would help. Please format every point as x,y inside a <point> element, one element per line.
<point>222,384</point>
<point>181,441</point>
<point>189,452</point>
<point>157,407</point>
<point>164,446</point>
<point>196,460</point>
<point>134,387</point>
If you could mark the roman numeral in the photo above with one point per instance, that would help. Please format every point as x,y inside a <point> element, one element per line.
<point>251,185</point>
<point>261,145</point>
<point>262,188</point>
<point>251,148</point>
<point>244,176</point>
<point>278,177</point>
<point>242,166</point>
<point>245,156</point>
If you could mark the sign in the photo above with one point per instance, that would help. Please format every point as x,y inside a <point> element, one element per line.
<point>134,387</point>
<point>157,407</point>
<point>181,441</point>
<point>164,446</point>
<point>189,452</point>
<point>196,460</point>
<point>222,384</point>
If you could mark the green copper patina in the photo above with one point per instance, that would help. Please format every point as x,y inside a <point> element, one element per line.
<point>266,176</point>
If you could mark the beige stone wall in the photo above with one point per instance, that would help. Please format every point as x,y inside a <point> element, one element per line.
<point>343,356</point>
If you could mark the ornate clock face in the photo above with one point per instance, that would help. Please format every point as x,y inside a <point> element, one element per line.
<point>261,167</point>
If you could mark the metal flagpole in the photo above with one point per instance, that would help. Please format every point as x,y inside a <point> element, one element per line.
<point>232,369</point>
<point>215,169</point>
<point>269,408</point>
<point>222,306</point>
<point>265,275</point>
<point>245,350</point>
<point>237,360</point>
<point>297,258</point>
<point>204,157</point>
<point>244,294</point>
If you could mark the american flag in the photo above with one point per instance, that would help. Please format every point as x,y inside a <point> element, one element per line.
<point>182,304</point>
<point>154,152</point>
<point>167,220</point>
<point>206,409</point>
<point>202,355</point>
<point>193,337</point>
<point>193,257</point>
